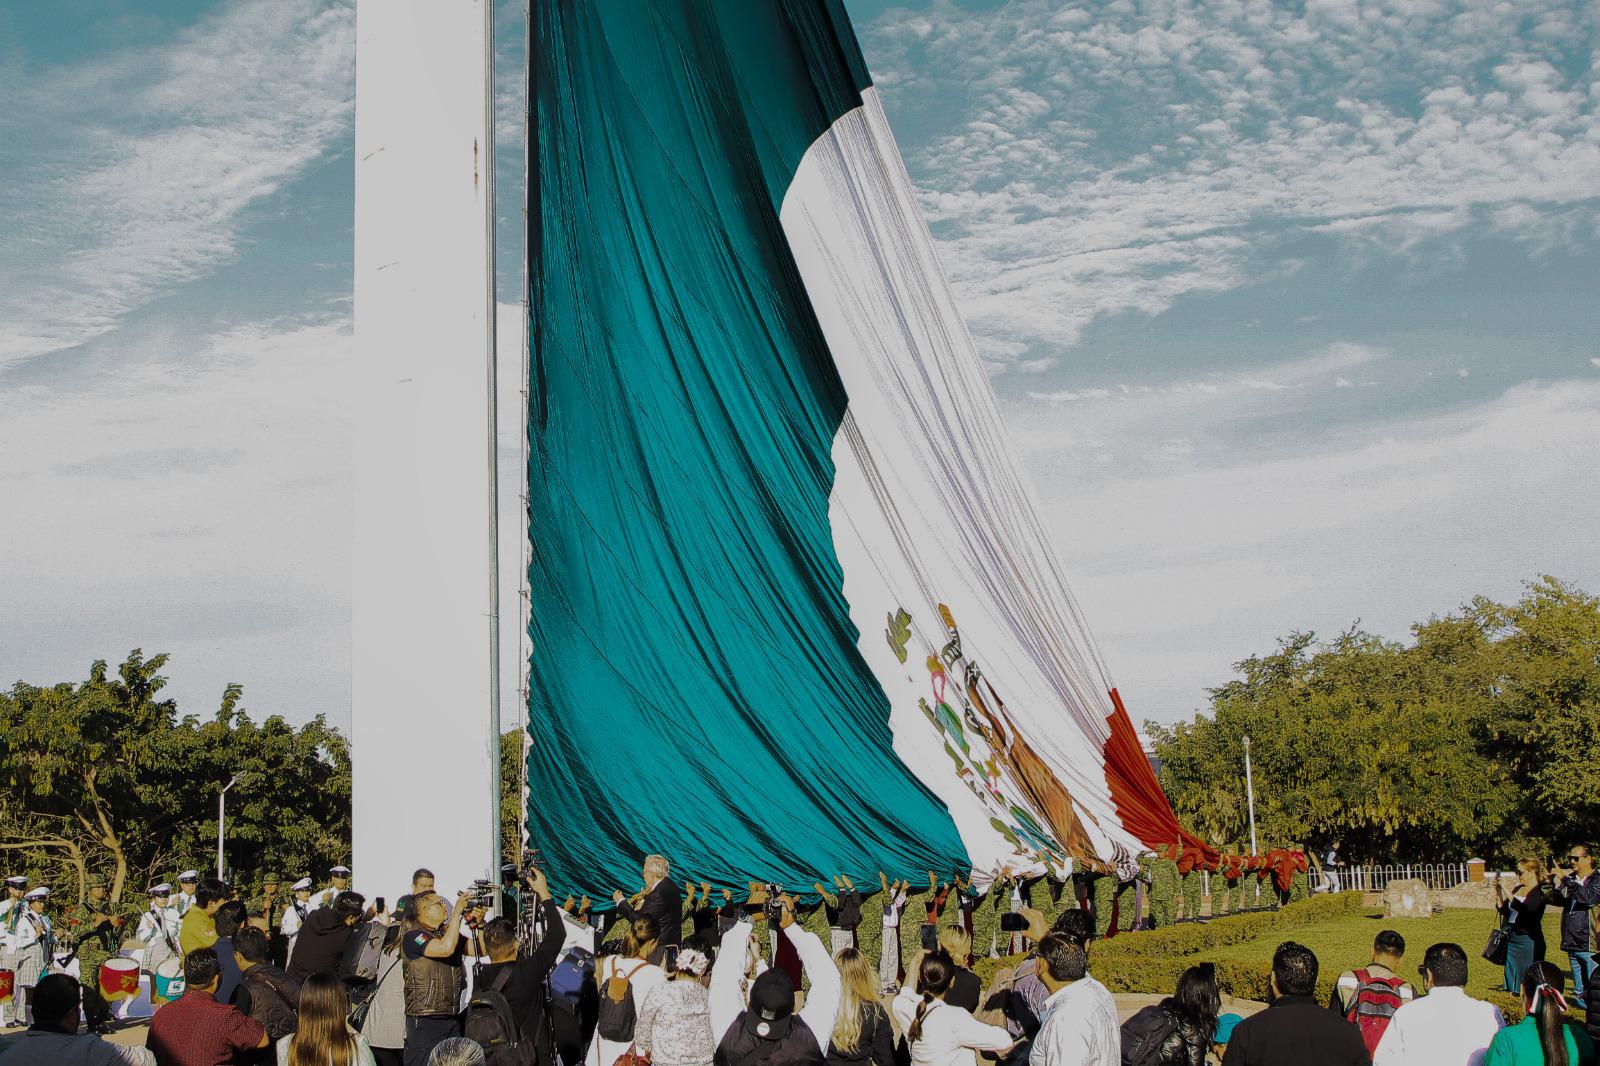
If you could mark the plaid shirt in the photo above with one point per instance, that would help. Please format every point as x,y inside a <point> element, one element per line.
<point>198,1031</point>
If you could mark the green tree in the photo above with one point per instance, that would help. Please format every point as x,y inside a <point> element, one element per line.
<point>1475,737</point>
<point>104,775</point>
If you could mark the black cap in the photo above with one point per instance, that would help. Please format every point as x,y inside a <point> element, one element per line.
<point>771,1005</point>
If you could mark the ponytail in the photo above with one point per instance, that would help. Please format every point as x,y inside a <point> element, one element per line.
<point>915,1032</point>
<point>1541,994</point>
<point>934,978</point>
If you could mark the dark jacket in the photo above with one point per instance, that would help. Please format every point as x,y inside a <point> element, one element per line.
<point>741,1047</point>
<point>321,944</point>
<point>966,990</point>
<point>526,992</point>
<point>1529,919</point>
<point>271,997</point>
<point>1592,998</point>
<point>1296,1031</point>
<point>1185,1045</point>
<point>876,1045</point>
<point>665,905</point>
<point>1576,899</point>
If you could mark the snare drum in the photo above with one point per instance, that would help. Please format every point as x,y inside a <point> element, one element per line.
<point>8,985</point>
<point>167,982</point>
<point>119,980</point>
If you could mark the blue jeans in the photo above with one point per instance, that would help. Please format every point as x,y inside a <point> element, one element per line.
<point>1582,966</point>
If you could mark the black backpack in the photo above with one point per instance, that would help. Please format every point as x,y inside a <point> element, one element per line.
<point>617,1011</point>
<point>1144,1033</point>
<point>489,1020</point>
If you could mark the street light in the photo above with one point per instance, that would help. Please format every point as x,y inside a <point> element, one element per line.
<point>1250,793</point>
<point>237,779</point>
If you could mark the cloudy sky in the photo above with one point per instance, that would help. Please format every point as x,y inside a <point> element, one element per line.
<point>1292,309</point>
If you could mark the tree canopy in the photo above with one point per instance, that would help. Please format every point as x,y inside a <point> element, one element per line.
<point>104,776</point>
<point>1477,737</point>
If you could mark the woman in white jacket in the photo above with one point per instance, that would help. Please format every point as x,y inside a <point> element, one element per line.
<point>937,1033</point>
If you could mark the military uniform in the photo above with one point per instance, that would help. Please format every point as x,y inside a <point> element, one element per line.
<point>11,909</point>
<point>97,934</point>
<point>268,909</point>
<point>1164,888</point>
<point>1105,894</point>
<point>1192,882</point>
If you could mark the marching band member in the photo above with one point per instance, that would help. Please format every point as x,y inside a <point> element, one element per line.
<point>339,881</point>
<point>186,886</point>
<point>158,931</point>
<point>11,909</point>
<point>295,913</point>
<point>31,945</point>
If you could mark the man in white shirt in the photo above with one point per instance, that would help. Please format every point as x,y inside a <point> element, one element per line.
<point>1078,1025</point>
<point>1446,1027</point>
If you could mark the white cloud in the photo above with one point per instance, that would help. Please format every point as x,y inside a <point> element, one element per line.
<point>1120,158</point>
<point>139,167</point>
<point>1204,565</point>
<point>191,499</point>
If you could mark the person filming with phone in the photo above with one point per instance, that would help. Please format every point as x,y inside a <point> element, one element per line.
<point>753,1016</point>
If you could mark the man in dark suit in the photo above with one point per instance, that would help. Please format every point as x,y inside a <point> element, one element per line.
<point>659,900</point>
<point>1295,1030</point>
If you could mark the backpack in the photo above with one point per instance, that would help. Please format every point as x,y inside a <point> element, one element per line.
<point>361,955</point>
<point>572,977</point>
<point>489,1020</point>
<point>1377,998</point>
<point>617,1011</point>
<point>1144,1033</point>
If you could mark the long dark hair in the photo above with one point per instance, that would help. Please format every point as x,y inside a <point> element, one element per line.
<point>1544,980</point>
<point>934,977</point>
<point>321,1036</point>
<point>1198,1000</point>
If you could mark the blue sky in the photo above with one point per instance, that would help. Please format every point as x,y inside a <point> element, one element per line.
<point>1291,309</point>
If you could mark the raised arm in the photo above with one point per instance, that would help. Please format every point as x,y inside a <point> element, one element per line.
<point>827,897</point>
<point>822,1001</point>
<point>726,972</point>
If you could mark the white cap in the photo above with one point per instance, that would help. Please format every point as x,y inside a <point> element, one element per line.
<point>39,893</point>
<point>163,889</point>
<point>302,885</point>
<point>189,875</point>
<point>340,871</point>
<point>16,882</point>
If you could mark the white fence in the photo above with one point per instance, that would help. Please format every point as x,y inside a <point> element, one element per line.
<point>1376,878</point>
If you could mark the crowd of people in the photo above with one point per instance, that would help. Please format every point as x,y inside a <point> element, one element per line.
<point>320,976</point>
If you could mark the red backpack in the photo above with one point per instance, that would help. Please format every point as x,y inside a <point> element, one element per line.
<point>1377,998</point>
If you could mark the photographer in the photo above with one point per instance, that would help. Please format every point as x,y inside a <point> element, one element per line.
<point>430,945</point>
<point>325,936</point>
<point>518,971</point>
<point>764,1029</point>
<point>1578,892</point>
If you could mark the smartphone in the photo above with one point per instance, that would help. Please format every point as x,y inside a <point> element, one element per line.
<point>378,906</point>
<point>1013,922</point>
<point>930,938</point>
<point>669,957</point>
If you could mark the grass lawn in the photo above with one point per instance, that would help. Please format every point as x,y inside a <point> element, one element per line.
<point>1346,942</point>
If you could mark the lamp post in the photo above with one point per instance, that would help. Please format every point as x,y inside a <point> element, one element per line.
<point>1250,793</point>
<point>222,815</point>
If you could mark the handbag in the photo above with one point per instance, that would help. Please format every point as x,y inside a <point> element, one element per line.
<point>632,1057</point>
<point>1499,942</point>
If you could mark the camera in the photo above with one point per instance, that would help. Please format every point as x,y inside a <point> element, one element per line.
<point>774,907</point>
<point>1013,922</point>
<point>482,893</point>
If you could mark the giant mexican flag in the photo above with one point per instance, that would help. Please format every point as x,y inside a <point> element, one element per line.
<point>793,609</point>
